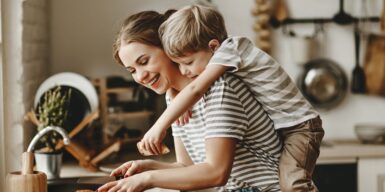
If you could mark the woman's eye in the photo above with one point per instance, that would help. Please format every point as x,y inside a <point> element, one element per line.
<point>130,70</point>
<point>144,62</point>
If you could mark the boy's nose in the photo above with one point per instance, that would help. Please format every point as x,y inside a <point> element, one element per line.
<point>183,70</point>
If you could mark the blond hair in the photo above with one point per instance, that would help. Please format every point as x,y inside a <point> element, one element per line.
<point>141,27</point>
<point>190,29</point>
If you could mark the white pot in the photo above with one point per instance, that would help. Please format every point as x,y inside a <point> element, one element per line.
<point>49,163</point>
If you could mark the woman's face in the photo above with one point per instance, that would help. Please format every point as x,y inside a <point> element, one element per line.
<point>149,66</point>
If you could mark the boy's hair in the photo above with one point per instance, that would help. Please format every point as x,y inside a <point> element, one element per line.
<point>141,27</point>
<point>190,29</point>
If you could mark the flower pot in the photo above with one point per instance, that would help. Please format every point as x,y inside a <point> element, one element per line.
<point>49,163</point>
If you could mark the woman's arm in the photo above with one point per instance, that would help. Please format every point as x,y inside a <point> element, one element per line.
<point>211,173</point>
<point>181,154</point>
<point>214,171</point>
<point>184,100</point>
<point>137,166</point>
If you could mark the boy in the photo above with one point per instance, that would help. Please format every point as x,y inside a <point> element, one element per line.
<point>195,37</point>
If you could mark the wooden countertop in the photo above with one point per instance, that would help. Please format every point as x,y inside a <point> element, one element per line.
<point>348,151</point>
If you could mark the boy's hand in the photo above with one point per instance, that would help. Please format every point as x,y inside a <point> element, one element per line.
<point>184,119</point>
<point>151,144</point>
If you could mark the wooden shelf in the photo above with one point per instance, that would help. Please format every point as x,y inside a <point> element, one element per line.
<point>105,94</point>
<point>120,90</point>
<point>138,114</point>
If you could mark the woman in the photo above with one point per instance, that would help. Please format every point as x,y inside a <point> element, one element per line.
<point>230,142</point>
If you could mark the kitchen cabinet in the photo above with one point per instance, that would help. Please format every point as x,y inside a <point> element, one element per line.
<point>345,159</point>
<point>371,174</point>
<point>336,177</point>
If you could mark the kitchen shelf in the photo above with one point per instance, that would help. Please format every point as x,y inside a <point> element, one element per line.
<point>120,90</point>
<point>137,114</point>
<point>105,94</point>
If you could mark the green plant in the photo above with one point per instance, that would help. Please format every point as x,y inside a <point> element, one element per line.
<point>53,112</point>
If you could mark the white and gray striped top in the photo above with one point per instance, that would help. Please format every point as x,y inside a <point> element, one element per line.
<point>271,85</point>
<point>229,110</point>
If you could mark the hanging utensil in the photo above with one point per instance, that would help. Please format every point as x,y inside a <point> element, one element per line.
<point>280,13</point>
<point>358,77</point>
<point>375,62</point>
<point>375,65</point>
<point>323,82</point>
<point>342,17</point>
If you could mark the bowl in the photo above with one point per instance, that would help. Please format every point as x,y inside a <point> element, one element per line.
<point>370,132</point>
<point>73,80</point>
<point>83,99</point>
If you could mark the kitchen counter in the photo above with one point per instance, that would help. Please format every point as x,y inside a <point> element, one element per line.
<point>348,151</point>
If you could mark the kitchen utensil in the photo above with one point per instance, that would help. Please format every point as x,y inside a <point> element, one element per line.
<point>280,13</point>
<point>375,64</point>
<point>27,180</point>
<point>342,17</point>
<point>358,77</point>
<point>370,132</point>
<point>323,83</point>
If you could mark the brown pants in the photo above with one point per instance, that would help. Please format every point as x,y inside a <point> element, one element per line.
<point>301,145</point>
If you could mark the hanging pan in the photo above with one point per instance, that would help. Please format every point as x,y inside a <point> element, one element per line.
<point>323,83</point>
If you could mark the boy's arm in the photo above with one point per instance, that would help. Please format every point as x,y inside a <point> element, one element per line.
<point>185,99</point>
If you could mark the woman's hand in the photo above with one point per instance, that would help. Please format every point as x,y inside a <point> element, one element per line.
<point>130,168</point>
<point>136,183</point>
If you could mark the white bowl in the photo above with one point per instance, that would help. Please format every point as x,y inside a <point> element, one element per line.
<point>71,80</point>
<point>370,132</point>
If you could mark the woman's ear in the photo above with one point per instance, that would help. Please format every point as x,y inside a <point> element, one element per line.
<point>214,44</point>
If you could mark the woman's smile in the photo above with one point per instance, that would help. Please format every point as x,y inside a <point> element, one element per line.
<point>154,82</point>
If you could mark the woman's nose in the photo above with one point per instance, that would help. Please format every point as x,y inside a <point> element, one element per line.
<point>141,76</point>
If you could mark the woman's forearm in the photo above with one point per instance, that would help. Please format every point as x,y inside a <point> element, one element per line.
<point>214,171</point>
<point>157,165</point>
<point>193,177</point>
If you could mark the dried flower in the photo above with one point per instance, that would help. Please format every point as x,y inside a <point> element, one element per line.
<point>53,112</point>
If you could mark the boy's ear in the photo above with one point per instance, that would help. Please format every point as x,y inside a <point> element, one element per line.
<point>214,44</point>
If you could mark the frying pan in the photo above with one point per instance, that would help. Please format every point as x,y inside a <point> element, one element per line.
<point>323,83</point>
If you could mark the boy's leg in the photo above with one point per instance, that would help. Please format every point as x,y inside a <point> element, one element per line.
<point>301,145</point>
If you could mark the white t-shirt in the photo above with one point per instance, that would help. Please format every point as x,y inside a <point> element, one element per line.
<point>268,81</point>
<point>229,110</point>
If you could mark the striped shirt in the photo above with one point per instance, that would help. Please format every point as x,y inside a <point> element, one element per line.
<point>229,110</point>
<point>270,84</point>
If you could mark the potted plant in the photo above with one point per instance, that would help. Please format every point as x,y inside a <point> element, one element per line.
<point>51,111</point>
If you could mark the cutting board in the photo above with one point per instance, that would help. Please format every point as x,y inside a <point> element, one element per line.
<point>95,180</point>
<point>375,64</point>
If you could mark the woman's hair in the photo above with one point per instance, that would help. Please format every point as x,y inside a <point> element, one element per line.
<point>141,27</point>
<point>190,29</point>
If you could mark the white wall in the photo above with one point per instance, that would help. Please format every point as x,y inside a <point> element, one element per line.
<point>12,45</point>
<point>24,65</point>
<point>82,33</point>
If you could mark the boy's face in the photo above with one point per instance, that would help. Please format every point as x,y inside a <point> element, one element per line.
<point>193,64</point>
